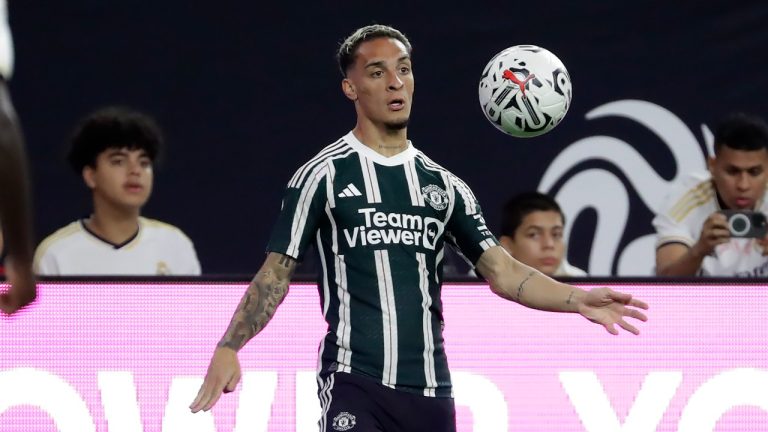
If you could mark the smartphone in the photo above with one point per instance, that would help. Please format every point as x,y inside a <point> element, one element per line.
<point>746,223</point>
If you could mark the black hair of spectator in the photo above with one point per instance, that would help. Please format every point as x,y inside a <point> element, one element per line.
<point>519,206</point>
<point>113,127</point>
<point>740,131</point>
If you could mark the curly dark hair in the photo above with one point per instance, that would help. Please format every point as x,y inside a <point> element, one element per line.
<point>113,127</point>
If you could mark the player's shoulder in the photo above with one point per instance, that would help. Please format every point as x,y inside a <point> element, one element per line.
<point>429,164</point>
<point>339,149</point>
<point>435,169</point>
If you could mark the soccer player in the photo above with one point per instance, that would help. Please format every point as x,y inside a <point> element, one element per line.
<point>15,217</point>
<point>380,211</point>
<point>114,150</point>
<point>532,232</point>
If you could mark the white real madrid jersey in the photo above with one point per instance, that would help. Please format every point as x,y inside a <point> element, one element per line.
<point>681,217</point>
<point>157,249</point>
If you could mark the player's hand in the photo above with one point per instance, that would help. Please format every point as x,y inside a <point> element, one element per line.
<point>222,376</point>
<point>607,307</point>
<point>714,232</point>
<point>23,290</point>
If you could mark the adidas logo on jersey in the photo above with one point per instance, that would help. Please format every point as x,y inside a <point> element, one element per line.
<point>350,191</point>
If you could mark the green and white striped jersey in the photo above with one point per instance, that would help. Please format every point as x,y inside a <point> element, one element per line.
<point>380,224</point>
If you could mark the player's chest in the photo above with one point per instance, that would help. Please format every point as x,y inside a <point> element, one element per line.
<point>388,197</point>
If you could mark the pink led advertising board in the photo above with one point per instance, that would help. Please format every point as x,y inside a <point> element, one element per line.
<point>129,357</point>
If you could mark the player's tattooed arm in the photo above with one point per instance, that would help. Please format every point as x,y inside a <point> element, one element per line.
<point>508,278</point>
<point>261,299</point>
<point>515,281</point>
<point>518,296</point>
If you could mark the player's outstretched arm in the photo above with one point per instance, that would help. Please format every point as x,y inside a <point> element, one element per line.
<point>258,305</point>
<point>15,209</point>
<point>517,282</point>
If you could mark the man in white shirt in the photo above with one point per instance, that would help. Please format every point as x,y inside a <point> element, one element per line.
<point>693,236</point>
<point>114,149</point>
<point>532,226</point>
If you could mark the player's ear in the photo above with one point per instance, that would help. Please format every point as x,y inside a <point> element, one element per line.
<point>88,177</point>
<point>349,89</point>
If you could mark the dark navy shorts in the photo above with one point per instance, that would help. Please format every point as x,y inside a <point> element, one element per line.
<point>360,404</point>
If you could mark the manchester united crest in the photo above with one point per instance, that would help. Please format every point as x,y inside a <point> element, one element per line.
<point>344,421</point>
<point>436,197</point>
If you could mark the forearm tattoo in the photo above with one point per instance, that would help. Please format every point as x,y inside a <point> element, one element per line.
<point>521,287</point>
<point>570,297</point>
<point>256,308</point>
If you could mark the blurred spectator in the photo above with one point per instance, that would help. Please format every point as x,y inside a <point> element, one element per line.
<point>532,232</point>
<point>14,189</point>
<point>114,149</point>
<point>693,236</point>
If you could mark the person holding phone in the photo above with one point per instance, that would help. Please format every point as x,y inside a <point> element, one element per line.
<point>714,224</point>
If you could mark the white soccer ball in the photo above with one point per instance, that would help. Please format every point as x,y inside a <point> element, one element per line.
<point>525,91</point>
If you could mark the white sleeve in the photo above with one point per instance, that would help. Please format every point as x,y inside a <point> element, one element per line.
<point>189,265</point>
<point>45,264</point>
<point>668,229</point>
<point>194,263</point>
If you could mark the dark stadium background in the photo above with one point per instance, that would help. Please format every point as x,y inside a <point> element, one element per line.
<point>247,91</point>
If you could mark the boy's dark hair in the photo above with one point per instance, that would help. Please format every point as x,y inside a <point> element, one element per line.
<point>109,128</point>
<point>741,131</point>
<point>519,206</point>
<point>348,49</point>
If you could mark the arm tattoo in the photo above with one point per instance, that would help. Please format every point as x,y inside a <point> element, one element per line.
<point>521,286</point>
<point>257,307</point>
<point>570,296</point>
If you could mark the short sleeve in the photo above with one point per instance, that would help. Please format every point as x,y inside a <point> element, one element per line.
<point>670,229</point>
<point>190,262</point>
<point>44,263</point>
<point>466,225</point>
<point>303,207</point>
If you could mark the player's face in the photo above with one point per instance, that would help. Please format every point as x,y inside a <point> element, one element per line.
<point>122,178</point>
<point>381,83</point>
<point>538,241</point>
<point>740,176</point>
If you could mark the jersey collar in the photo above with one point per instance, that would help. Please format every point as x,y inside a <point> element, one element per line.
<point>103,240</point>
<point>406,155</point>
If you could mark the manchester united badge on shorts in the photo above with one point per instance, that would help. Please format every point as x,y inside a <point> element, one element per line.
<point>344,421</point>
